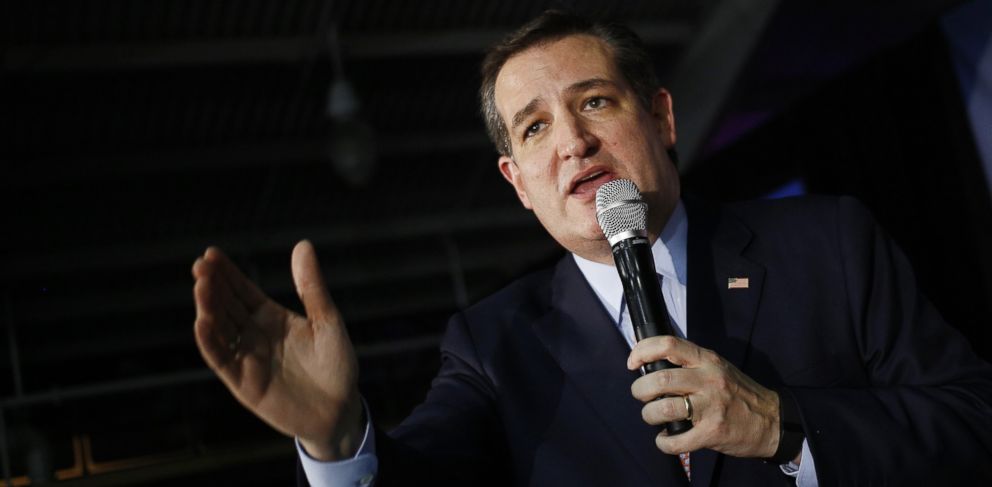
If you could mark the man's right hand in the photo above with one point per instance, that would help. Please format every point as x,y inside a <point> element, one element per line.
<point>298,373</point>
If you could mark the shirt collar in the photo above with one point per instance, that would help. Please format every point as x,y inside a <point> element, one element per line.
<point>669,252</point>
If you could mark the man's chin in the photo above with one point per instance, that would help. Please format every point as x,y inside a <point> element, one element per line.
<point>597,249</point>
<point>594,237</point>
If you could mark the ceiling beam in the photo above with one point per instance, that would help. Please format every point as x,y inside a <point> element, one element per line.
<point>221,52</point>
<point>50,171</point>
<point>129,256</point>
<point>356,274</point>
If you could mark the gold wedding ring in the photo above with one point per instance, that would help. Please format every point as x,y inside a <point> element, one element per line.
<point>688,407</point>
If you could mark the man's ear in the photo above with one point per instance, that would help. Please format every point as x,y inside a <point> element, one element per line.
<point>661,109</point>
<point>511,173</point>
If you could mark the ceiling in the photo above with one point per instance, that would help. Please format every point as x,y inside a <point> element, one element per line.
<point>134,134</point>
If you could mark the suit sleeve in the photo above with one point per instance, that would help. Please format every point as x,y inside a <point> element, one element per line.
<point>454,437</point>
<point>925,417</point>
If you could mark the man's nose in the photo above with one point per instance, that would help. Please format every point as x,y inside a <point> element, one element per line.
<point>574,139</point>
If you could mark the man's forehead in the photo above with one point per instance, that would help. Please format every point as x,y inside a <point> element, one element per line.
<point>556,65</point>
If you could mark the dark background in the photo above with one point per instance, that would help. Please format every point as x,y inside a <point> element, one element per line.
<point>134,134</point>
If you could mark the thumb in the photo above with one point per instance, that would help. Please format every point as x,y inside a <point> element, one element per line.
<point>309,282</point>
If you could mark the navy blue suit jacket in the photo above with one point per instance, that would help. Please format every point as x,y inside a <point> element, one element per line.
<point>534,389</point>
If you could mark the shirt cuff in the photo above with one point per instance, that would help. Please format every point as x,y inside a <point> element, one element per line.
<point>359,470</point>
<point>805,472</point>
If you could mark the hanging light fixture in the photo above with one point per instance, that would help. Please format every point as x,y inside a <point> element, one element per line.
<point>351,142</point>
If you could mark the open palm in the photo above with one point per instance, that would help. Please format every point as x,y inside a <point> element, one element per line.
<point>297,373</point>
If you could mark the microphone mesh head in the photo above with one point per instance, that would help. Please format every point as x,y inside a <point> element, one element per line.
<point>620,208</point>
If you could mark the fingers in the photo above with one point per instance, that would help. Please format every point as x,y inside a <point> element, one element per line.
<point>310,283</point>
<point>216,297</point>
<point>213,331</point>
<point>730,412</point>
<point>689,441</point>
<point>214,261</point>
<point>666,347</point>
<point>675,408</point>
<point>666,410</point>
<point>665,382</point>
<point>224,300</point>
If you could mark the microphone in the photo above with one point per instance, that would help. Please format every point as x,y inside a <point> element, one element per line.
<point>623,214</point>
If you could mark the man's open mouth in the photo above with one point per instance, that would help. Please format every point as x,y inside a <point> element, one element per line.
<point>591,182</point>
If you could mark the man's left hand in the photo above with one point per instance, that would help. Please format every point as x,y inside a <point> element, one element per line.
<point>731,413</point>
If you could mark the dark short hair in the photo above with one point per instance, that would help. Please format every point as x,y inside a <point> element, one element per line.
<point>629,54</point>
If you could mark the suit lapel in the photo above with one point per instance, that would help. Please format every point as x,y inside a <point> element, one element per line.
<point>591,351</point>
<point>720,316</point>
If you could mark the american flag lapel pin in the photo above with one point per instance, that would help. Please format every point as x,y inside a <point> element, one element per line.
<point>737,283</point>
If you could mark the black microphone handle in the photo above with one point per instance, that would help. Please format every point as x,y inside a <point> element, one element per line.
<point>648,314</point>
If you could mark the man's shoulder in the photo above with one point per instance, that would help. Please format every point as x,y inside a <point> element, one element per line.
<point>797,232</point>
<point>531,291</point>
<point>504,317</point>
<point>797,215</point>
<point>794,207</point>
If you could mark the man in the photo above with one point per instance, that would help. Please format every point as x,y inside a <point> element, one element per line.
<point>810,351</point>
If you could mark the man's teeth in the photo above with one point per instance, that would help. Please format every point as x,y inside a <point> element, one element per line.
<point>591,176</point>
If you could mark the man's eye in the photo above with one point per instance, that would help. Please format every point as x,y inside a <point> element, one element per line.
<point>597,102</point>
<point>533,129</point>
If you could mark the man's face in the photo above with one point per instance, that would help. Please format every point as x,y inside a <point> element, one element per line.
<point>574,124</point>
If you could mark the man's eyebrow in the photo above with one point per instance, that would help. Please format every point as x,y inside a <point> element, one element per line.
<point>525,112</point>
<point>588,84</point>
<point>577,87</point>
